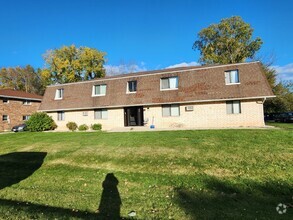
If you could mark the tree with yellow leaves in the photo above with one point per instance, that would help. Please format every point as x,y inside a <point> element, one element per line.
<point>72,64</point>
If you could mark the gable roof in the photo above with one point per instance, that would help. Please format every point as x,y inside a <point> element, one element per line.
<point>15,94</point>
<point>196,84</point>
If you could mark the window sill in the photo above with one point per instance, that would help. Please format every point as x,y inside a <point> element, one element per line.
<point>58,98</point>
<point>130,92</point>
<point>168,89</point>
<point>227,84</point>
<point>98,95</point>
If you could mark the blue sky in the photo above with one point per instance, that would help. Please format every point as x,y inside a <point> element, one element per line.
<point>146,34</point>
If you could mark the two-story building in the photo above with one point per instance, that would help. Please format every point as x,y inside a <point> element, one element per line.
<point>188,97</point>
<point>16,107</point>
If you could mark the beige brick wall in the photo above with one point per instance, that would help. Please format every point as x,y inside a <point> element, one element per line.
<point>204,115</point>
<point>15,109</point>
<point>208,115</point>
<point>115,119</point>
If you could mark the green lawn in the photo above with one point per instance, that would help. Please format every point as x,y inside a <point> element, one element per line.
<point>281,125</point>
<point>204,174</point>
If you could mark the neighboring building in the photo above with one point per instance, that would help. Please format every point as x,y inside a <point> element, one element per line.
<point>188,97</point>
<point>16,107</point>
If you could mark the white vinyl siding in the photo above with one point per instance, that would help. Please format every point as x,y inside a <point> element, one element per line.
<point>101,114</point>
<point>233,107</point>
<point>99,90</point>
<point>169,83</point>
<point>232,77</point>
<point>170,110</point>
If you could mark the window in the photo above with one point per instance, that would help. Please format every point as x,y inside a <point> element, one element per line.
<point>101,114</point>
<point>84,113</point>
<point>5,101</point>
<point>26,102</point>
<point>170,110</point>
<point>26,117</point>
<point>5,117</point>
<point>233,107</point>
<point>99,90</point>
<point>232,77</point>
<point>131,86</point>
<point>60,116</point>
<point>169,83</point>
<point>59,94</point>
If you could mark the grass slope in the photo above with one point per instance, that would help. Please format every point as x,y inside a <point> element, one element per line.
<point>222,174</point>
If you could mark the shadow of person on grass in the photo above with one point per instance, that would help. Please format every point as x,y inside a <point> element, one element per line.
<point>110,202</point>
<point>17,166</point>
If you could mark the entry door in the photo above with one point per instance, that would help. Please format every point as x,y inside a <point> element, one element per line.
<point>133,116</point>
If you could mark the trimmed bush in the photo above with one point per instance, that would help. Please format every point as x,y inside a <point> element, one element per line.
<point>40,121</point>
<point>72,126</point>
<point>83,127</point>
<point>96,127</point>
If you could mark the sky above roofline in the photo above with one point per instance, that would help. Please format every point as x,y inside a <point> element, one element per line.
<point>138,35</point>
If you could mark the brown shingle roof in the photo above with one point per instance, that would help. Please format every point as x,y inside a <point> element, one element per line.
<point>196,84</point>
<point>10,93</point>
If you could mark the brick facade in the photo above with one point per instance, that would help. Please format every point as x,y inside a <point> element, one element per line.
<point>203,115</point>
<point>15,109</point>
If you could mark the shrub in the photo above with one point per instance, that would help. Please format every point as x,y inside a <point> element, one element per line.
<point>96,127</point>
<point>83,127</point>
<point>40,121</point>
<point>72,126</point>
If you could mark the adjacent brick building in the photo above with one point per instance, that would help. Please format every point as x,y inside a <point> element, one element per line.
<point>16,107</point>
<point>188,97</point>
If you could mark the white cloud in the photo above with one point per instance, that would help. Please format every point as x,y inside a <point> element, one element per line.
<point>285,72</point>
<point>112,70</point>
<point>184,64</point>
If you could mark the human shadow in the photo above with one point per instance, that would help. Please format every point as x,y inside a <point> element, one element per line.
<point>223,199</point>
<point>17,166</point>
<point>110,202</point>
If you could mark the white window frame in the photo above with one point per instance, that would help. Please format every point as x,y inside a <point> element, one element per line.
<point>233,107</point>
<point>7,118</point>
<point>26,102</point>
<point>94,90</point>
<point>25,117</point>
<point>172,109</point>
<point>5,101</point>
<point>103,112</point>
<point>59,94</point>
<point>60,116</point>
<point>127,88</point>
<point>229,79</point>
<point>171,77</point>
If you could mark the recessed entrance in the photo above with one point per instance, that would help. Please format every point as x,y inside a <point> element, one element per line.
<point>133,116</point>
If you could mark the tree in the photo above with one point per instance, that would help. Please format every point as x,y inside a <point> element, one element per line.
<point>22,78</point>
<point>72,64</point>
<point>230,41</point>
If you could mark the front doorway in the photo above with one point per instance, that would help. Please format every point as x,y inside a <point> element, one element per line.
<point>133,116</point>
